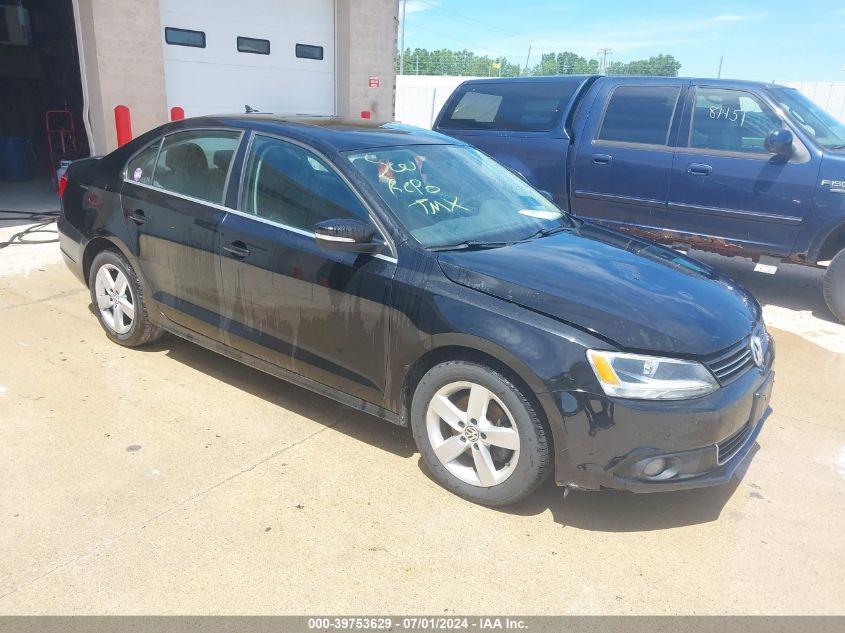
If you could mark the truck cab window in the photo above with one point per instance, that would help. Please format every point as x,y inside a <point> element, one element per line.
<point>640,115</point>
<point>731,121</point>
<point>510,107</point>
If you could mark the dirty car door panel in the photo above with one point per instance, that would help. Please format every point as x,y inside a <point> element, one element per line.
<point>318,312</point>
<point>178,212</point>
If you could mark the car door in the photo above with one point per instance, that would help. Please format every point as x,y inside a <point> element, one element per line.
<point>320,313</point>
<point>622,167</point>
<point>173,193</point>
<point>726,186</point>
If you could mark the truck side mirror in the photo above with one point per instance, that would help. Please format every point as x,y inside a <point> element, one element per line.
<point>779,142</point>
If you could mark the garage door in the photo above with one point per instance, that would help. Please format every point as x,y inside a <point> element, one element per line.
<point>274,55</point>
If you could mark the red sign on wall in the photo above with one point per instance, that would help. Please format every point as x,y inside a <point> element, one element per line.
<point>374,82</point>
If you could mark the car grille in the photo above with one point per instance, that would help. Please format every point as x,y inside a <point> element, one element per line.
<point>732,362</point>
<point>729,446</point>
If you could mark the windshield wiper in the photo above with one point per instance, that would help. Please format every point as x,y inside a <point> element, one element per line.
<point>467,245</point>
<point>547,232</point>
<point>837,147</point>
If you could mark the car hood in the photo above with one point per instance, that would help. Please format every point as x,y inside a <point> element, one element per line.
<point>637,294</point>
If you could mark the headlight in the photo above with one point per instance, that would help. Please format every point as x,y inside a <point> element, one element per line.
<point>650,377</point>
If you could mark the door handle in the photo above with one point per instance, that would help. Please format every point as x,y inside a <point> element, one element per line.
<point>236,249</point>
<point>699,169</point>
<point>602,159</point>
<point>137,216</point>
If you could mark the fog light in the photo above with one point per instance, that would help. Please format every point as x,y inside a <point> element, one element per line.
<point>654,467</point>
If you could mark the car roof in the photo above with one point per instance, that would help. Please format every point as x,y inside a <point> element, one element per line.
<point>325,133</point>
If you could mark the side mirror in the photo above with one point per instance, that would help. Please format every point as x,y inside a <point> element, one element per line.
<point>348,235</point>
<point>779,142</point>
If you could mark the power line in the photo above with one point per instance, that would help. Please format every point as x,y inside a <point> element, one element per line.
<point>436,7</point>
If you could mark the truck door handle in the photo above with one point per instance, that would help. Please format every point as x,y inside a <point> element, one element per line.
<point>137,216</point>
<point>699,169</point>
<point>237,249</point>
<point>602,159</point>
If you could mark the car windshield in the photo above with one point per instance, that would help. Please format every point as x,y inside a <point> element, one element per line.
<point>452,196</point>
<point>823,127</point>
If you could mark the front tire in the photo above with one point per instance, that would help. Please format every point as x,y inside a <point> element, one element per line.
<point>478,434</point>
<point>834,286</point>
<point>119,301</point>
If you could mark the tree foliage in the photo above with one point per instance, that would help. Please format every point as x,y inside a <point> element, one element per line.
<point>421,61</point>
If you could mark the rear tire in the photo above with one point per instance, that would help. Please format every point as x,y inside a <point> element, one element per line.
<point>478,434</point>
<point>118,301</point>
<point>834,286</point>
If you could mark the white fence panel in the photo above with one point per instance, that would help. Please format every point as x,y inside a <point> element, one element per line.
<point>830,96</point>
<point>420,97</point>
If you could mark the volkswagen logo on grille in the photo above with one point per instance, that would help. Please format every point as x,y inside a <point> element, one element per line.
<point>757,350</point>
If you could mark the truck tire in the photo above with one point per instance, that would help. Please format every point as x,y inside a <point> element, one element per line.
<point>834,286</point>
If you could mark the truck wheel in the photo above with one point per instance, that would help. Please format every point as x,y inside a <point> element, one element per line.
<point>478,434</point>
<point>834,286</point>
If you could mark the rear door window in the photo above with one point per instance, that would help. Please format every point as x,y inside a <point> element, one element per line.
<point>140,168</point>
<point>640,115</point>
<point>518,106</point>
<point>731,121</point>
<point>196,163</point>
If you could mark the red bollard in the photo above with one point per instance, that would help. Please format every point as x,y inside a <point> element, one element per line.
<point>123,123</point>
<point>177,113</point>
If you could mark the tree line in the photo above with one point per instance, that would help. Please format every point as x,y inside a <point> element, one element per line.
<point>421,61</point>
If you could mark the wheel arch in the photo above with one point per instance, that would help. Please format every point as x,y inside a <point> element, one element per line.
<point>827,247</point>
<point>94,247</point>
<point>482,352</point>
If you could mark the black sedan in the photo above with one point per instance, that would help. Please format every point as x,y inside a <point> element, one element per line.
<point>409,275</point>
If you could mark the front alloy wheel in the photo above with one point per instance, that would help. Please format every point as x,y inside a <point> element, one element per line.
<point>479,435</point>
<point>472,433</point>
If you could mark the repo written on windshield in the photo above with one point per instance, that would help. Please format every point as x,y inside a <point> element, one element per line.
<point>416,193</point>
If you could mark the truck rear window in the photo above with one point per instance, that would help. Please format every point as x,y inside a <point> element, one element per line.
<point>516,107</point>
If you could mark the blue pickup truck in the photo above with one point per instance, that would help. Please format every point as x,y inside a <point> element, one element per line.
<point>734,167</point>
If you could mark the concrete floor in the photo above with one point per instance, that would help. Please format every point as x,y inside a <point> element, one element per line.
<point>172,480</point>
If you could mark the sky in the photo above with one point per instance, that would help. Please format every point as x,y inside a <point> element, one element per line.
<point>771,40</point>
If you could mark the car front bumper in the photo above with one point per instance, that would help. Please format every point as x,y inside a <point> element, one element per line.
<point>608,442</point>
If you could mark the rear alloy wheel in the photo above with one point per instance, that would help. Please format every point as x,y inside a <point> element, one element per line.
<point>834,286</point>
<point>114,299</point>
<point>119,301</point>
<point>478,434</point>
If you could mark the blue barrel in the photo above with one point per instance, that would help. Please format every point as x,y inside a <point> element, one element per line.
<point>15,163</point>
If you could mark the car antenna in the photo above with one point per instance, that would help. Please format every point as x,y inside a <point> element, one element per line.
<point>249,109</point>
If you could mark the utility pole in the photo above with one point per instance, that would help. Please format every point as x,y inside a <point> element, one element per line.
<point>402,40</point>
<point>721,59</point>
<point>527,59</point>
<point>604,52</point>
